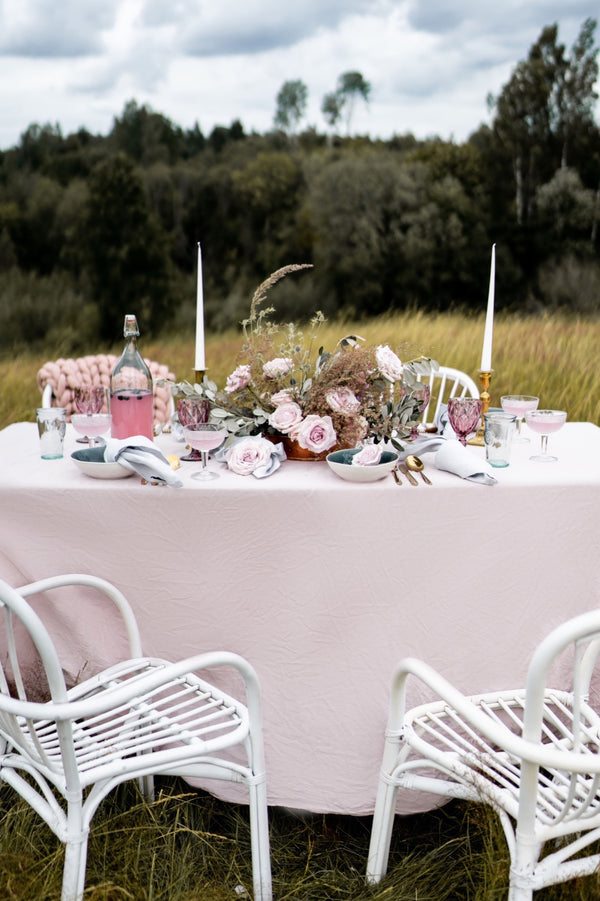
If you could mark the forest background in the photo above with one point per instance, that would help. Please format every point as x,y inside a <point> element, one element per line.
<point>93,227</point>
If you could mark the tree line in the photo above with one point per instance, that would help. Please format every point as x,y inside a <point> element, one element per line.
<point>92,227</point>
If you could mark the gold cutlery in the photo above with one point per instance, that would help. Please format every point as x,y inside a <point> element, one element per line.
<point>416,465</point>
<point>409,475</point>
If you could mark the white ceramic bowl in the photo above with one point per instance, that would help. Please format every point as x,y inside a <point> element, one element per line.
<point>90,460</point>
<point>340,462</point>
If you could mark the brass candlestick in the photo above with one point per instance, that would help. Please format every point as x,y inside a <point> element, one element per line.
<point>485,377</point>
<point>199,375</point>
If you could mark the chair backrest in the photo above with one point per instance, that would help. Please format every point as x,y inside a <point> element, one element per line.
<point>445,382</point>
<point>26,686</point>
<point>57,380</point>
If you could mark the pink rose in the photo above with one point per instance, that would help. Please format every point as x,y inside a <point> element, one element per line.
<point>249,454</point>
<point>282,397</point>
<point>239,378</point>
<point>274,369</point>
<point>390,366</point>
<point>370,455</point>
<point>285,417</point>
<point>315,433</point>
<point>343,400</point>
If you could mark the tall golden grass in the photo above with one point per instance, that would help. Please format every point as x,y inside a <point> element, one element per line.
<point>549,356</point>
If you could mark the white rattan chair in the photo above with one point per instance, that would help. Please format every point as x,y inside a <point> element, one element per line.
<point>532,754</point>
<point>141,717</point>
<point>445,382</point>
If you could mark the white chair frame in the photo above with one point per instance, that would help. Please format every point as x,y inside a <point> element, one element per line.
<point>140,717</point>
<point>445,382</point>
<point>532,754</point>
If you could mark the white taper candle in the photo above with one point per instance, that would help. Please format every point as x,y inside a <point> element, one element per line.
<point>486,354</point>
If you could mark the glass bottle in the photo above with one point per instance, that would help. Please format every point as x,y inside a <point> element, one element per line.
<point>131,395</point>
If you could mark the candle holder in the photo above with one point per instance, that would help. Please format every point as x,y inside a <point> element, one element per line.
<point>199,375</point>
<point>485,377</point>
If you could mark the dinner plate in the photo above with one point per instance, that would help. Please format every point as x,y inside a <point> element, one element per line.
<point>91,462</point>
<point>340,462</point>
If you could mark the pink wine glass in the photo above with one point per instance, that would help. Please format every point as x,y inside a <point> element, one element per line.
<point>464,414</point>
<point>205,436</point>
<point>422,393</point>
<point>192,410</point>
<point>519,405</point>
<point>545,423</point>
<point>88,400</point>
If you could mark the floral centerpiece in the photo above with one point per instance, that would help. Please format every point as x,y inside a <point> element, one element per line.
<point>288,388</point>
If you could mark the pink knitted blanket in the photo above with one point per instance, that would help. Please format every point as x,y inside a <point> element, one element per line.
<point>65,375</point>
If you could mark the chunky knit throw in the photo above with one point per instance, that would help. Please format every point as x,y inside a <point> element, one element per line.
<point>65,375</point>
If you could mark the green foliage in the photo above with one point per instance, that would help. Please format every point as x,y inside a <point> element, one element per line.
<point>389,225</point>
<point>291,105</point>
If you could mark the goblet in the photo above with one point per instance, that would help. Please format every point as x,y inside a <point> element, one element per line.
<point>88,399</point>
<point>91,426</point>
<point>463,415</point>
<point>422,393</point>
<point>545,423</point>
<point>205,436</point>
<point>519,405</point>
<point>192,410</point>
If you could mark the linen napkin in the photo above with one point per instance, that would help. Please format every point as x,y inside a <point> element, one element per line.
<point>142,456</point>
<point>460,460</point>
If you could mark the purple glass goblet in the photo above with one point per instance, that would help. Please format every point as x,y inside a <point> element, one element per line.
<point>191,411</point>
<point>422,393</point>
<point>464,414</point>
<point>88,400</point>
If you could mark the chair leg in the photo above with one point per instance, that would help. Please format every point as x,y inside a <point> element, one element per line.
<point>381,831</point>
<point>259,838</point>
<point>74,869</point>
<point>526,857</point>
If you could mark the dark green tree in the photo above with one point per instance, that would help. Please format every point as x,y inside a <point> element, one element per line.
<point>124,250</point>
<point>291,105</point>
<point>351,87</point>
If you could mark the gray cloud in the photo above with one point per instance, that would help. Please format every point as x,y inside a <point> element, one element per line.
<point>46,29</point>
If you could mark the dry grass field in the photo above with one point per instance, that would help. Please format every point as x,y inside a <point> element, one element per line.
<point>548,356</point>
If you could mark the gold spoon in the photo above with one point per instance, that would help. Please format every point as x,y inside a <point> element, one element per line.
<point>417,465</point>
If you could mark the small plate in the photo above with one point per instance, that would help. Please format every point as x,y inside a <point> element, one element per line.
<point>340,462</point>
<point>91,461</point>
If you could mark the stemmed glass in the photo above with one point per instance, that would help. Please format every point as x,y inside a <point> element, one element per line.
<point>422,393</point>
<point>519,405</point>
<point>91,426</point>
<point>205,436</point>
<point>463,415</point>
<point>88,399</point>
<point>191,411</point>
<point>545,423</point>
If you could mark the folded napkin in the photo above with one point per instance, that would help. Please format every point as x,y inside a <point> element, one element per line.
<point>454,457</point>
<point>142,456</point>
<point>251,455</point>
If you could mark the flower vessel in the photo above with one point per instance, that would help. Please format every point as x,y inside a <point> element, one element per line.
<point>291,390</point>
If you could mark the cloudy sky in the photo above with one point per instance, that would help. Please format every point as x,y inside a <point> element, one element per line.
<point>430,63</point>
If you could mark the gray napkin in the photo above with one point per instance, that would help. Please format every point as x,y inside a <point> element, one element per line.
<point>142,456</point>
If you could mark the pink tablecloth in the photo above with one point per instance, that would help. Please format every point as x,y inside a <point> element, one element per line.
<point>323,585</point>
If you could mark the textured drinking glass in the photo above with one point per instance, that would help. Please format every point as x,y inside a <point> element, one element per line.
<point>422,393</point>
<point>498,433</point>
<point>92,426</point>
<point>191,411</point>
<point>88,399</point>
<point>463,415</point>
<point>519,404</point>
<point>52,424</point>
<point>545,423</point>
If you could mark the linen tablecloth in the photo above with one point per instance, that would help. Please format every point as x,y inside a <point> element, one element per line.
<point>322,584</point>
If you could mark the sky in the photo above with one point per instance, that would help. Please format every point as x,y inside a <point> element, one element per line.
<point>430,63</point>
